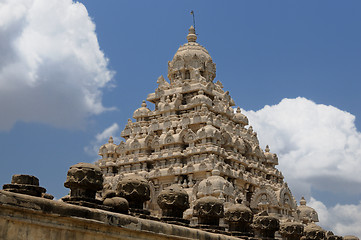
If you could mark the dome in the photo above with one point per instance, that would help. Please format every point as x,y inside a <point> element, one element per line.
<point>208,131</point>
<point>306,213</point>
<point>201,98</point>
<point>270,157</point>
<point>215,186</point>
<point>191,57</point>
<point>107,148</point>
<point>141,112</point>
<point>241,118</point>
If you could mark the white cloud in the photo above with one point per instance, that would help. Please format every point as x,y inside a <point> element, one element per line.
<point>102,138</point>
<point>317,145</point>
<point>340,219</point>
<point>51,67</point>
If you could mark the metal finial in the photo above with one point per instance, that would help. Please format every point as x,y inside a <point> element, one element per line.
<point>194,20</point>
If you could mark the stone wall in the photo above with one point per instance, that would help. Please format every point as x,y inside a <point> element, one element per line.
<point>33,218</point>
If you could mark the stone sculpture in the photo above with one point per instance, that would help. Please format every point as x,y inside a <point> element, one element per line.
<point>84,180</point>
<point>265,226</point>
<point>173,201</point>
<point>239,218</point>
<point>135,189</point>
<point>208,210</point>
<point>26,184</point>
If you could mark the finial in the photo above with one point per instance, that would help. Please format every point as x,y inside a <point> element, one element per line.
<point>267,149</point>
<point>192,37</point>
<point>110,139</point>
<point>303,201</point>
<point>238,110</point>
<point>144,104</point>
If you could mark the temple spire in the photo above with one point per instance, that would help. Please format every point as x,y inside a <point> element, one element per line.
<point>192,37</point>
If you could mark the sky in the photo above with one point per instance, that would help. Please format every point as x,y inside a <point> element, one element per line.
<point>72,73</point>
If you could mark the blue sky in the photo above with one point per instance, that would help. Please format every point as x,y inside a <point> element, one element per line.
<point>266,52</point>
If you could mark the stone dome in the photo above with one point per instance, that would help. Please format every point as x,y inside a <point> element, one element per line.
<point>215,186</point>
<point>108,148</point>
<point>241,118</point>
<point>270,157</point>
<point>141,112</point>
<point>201,99</point>
<point>208,131</point>
<point>191,56</point>
<point>306,213</point>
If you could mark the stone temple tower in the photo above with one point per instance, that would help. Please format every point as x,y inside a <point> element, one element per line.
<point>195,138</point>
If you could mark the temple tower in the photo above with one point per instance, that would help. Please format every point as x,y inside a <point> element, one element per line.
<point>195,138</point>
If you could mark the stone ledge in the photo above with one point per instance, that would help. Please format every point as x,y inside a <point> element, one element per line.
<point>44,216</point>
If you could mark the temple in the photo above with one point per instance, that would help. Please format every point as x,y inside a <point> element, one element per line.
<point>195,138</point>
<point>191,168</point>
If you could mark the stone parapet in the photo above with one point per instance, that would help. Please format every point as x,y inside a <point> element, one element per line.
<point>28,217</point>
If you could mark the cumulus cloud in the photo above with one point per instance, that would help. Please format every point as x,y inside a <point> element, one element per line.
<point>51,68</point>
<point>340,219</point>
<point>319,149</point>
<point>318,145</point>
<point>102,138</point>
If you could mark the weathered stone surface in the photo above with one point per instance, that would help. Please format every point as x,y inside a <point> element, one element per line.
<point>350,237</point>
<point>208,210</point>
<point>305,213</point>
<point>173,201</point>
<point>135,189</point>
<point>84,180</point>
<point>334,237</point>
<point>313,232</point>
<point>25,184</point>
<point>117,204</point>
<point>239,218</point>
<point>291,230</point>
<point>61,221</point>
<point>265,226</point>
<point>25,179</point>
